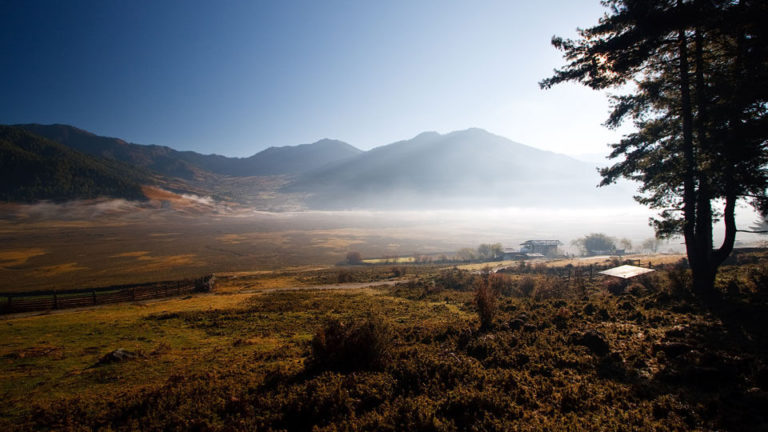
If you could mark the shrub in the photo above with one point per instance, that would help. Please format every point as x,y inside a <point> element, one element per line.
<point>636,288</point>
<point>579,282</point>
<point>562,317</point>
<point>525,286</point>
<point>364,345</point>
<point>455,279</point>
<point>758,278</point>
<point>679,281</point>
<point>521,267</point>
<point>614,286</point>
<point>398,271</point>
<point>550,287</point>
<point>729,285</point>
<point>651,281</point>
<point>486,301</point>
<point>344,276</point>
<point>501,284</point>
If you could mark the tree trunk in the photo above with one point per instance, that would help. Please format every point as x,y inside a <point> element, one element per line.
<point>705,269</point>
<point>704,280</point>
<point>689,174</point>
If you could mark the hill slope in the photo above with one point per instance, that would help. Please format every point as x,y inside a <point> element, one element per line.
<point>188,164</point>
<point>297,159</point>
<point>463,168</point>
<point>34,168</point>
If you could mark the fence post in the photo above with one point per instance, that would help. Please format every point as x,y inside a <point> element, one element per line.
<point>93,295</point>
<point>178,287</point>
<point>9,303</point>
<point>55,301</point>
<point>133,294</point>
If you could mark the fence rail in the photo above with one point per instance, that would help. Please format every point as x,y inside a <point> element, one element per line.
<point>64,299</point>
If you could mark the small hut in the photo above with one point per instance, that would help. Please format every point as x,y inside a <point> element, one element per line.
<point>621,275</point>
<point>626,272</point>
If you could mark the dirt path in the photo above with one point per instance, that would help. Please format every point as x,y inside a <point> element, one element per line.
<point>338,286</point>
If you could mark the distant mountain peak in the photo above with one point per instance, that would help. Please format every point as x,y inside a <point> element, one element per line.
<point>329,141</point>
<point>427,134</point>
<point>456,168</point>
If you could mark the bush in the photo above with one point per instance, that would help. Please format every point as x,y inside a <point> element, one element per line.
<point>579,282</point>
<point>501,284</point>
<point>614,286</point>
<point>486,301</point>
<point>758,278</point>
<point>679,281</point>
<point>398,271</point>
<point>344,347</point>
<point>550,287</point>
<point>455,279</point>
<point>344,277</point>
<point>525,286</point>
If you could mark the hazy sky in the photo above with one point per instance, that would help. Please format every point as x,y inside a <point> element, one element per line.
<point>234,77</point>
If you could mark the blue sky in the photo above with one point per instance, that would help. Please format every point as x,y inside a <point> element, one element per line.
<point>234,77</point>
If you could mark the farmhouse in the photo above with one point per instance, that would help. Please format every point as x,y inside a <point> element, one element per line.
<point>544,247</point>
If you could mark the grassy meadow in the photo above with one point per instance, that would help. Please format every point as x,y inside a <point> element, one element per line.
<point>423,350</point>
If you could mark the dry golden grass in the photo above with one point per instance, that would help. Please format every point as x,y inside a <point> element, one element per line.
<point>266,281</point>
<point>134,254</point>
<point>58,269</point>
<point>236,361</point>
<point>48,356</point>
<point>17,257</point>
<point>656,259</point>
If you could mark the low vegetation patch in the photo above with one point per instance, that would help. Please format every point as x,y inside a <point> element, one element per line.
<point>555,353</point>
<point>339,346</point>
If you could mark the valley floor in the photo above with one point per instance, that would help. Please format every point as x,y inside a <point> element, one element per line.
<point>255,356</point>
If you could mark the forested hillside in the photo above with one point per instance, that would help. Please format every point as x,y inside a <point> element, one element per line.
<point>34,168</point>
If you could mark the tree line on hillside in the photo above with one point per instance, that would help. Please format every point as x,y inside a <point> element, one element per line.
<point>33,168</point>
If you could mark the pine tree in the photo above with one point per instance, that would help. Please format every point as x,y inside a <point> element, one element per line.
<point>699,73</point>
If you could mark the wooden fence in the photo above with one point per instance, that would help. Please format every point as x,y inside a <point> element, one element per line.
<point>63,299</point>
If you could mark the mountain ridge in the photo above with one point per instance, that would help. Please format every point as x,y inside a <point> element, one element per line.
<point>470,167</point>
<point>186,164</point>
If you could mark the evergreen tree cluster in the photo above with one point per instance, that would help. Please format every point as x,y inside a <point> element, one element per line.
<point>33,168</point>
<point>697,71</point>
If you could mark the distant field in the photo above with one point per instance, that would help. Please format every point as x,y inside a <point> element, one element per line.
<point>68,254</point>
<point>84,245</point>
